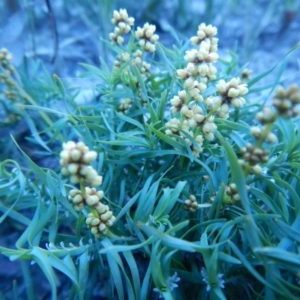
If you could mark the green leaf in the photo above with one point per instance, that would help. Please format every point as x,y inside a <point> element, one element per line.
<point>39,225</point>
<point>83,270</point>
<point>115,264</point>
<point>40,257</point>
<point>145,284</point>
<point>131,121</point>
<point>288,230</point>
<point>39,172</point>
<point>173,242</point>
<point>147,199</point>
<point>134,272</point>
<point>66,266</point>
<point>239,179</point>
<point>60,85</point>
<point>228,258</point>
<point>125,248</point>
<point>167,139</point>
<point>168,200</point>
<point>28,282</point>
<point>285,259</point>
<point>127,206</point>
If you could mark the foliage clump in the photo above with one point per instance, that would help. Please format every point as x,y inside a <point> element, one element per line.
<point>200,186</point>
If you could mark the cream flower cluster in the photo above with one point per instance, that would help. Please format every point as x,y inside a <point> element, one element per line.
<point>175,127</point>
<point>286,100</point>
<point>198,148</point>
<point>195,76</point>
<point>206,32</point>
<point>136,60</point>
<point>198,71</point>
<point>194,114</point>
<point>5,58</point>
<point>125,104</point>
<point>10,94</point>
<point>230,93</point>
<point>200,61</point>
<point>123,25</point>
<point>191,204</point>
<point>146,42</point>
<point>258,133</point>
<point>266,115</point>
<point>195,90</point>
<point>100,222</point>
<point>198,120</point>
<point>147,38</point>
<point>253,156</point>
<point>101,218</point>
<point>92,197</point>
<point>232,192</point>
<point>178,101</point>
<point>75,159</point>
<point>6,70</point>
<point>245,75</point>
<point>123,58</point>
<point>144,67</point>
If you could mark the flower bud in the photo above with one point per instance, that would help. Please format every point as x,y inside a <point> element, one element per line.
<point>91,200</point>
<point>257,170</point>
<point>89,157</point>
<point>104,217</point>
<point>75,154</point>
<point>73,168</point>
<point>77,199</point>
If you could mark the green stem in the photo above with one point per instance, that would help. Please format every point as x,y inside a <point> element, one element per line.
<point>82,187</point>
<point>267,129</point>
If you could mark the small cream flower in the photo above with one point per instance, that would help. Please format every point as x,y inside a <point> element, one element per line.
<point>198,119</point>
<point>125,104</point>
<point>231,92</point>
<point>196,89</point>
<point>191,204</point>
<point>91,198</point>
<point>172,126</point>
<point>99,223</point>
<point>187,112</point>
<point>147,38</point>
<point>232,191</point>
<point>5,58</point>
<point>257,132</point>
<point>198,149</point>
<point>266,116</point>
<point>178,101</point>
<point>253,156</point>
<point>202,61</point>
<point>74,159</point>
<point>286,100</point>
<point>123,25</point>
<point>205,32</point>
